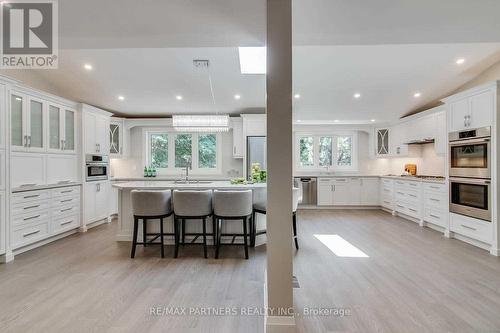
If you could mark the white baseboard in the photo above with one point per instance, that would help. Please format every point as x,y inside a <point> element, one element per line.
<point>495,252</point>
<point>471,241</point>
<point>279,324</point>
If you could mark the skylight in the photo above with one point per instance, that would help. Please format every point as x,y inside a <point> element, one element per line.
<point>252,60</point>
<point>340,247</point>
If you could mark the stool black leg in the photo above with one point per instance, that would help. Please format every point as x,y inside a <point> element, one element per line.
<point>219,227</point>
<point>214,231</point>
<point>134,239</point>
<point>176,237</point>
<point>161,238</point>
<point>295,231</point>
<point>183,225</point>
<point>144,232</point>
<point>205,237</point>
<point>245,236</point>
<point>253,230</point>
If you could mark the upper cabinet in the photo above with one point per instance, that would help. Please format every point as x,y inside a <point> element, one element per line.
<point>382,142</point>
<point>238,148</point>
<point>62,125</point>
<point>116,138</point>
<point>472,109</point>
<point>27,123</point>
<point>96,127</point>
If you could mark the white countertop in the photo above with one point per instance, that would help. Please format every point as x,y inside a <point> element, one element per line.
<point>218,184</point>
<point>415,179</point>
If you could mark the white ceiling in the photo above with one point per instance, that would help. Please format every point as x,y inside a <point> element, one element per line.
<point>385,49</point>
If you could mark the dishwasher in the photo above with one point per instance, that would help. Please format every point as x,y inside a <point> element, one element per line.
<point>307,187</point>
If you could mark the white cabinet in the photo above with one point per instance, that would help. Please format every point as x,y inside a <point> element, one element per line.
<point>113,205</point>
<point>62,169</point>
<point>471,110</point>
<point>436,204</point>
<point>27,123</point>
<point>116,138</point>
<point>348,191</point>
<point>3,221</point>
<point>96,196</point>
<point>96,133</point>
<point>471,227</point>
<point>387,193</point>
<point>27,170</point>
<point>3,167</point>
<point>62,129</point>
<point>238,146</point>
<point>408,198</point>
<point>369,188</point>
<point>382,142</point>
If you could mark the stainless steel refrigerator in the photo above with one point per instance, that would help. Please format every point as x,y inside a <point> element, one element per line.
<point>256,153</point>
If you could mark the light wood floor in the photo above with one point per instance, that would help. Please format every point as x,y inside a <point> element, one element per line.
<point>413,281</point>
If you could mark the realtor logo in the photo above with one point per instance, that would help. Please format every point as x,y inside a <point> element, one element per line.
<point>29,34</point>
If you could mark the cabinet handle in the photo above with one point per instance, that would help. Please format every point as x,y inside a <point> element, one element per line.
<point>435,216</point>
<point>465,121</point>
<point>31,196</point>
<point>401,193</point>
<point>400,206</point>
<point>435,187</point>
<point>31,207</point>
<point>234,150</point>
<point>31,218</point>
<point>412,195</point>
<point>31,233</point>
<point>67,222</point>
<point>29,141</point>
<point>433,199</point>
<point>67,200</point>
<point>467,227</point>
<point>25,141</point>
<point>413,210</point>
<point>65,210</point>
<point>62,144</point>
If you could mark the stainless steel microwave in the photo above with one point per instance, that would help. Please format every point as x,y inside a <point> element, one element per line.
<point>470,153</point>
<point>97,167</point>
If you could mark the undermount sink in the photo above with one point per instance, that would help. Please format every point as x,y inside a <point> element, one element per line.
<point>193,182</point>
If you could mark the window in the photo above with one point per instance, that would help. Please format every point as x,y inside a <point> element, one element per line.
<point>306,147</point>
<point>207,151</point>
<point>200,150</point>
<point>336,152</point>
<point>159,150</point>
<point>183,150</point>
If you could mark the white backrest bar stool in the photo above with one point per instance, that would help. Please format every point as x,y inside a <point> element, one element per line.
<point>260,207</point>
<point>232,205</point>
<point>148,205</point>
<point>191,205</point>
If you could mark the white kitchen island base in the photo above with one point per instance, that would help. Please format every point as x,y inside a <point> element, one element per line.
<point>126,218</point>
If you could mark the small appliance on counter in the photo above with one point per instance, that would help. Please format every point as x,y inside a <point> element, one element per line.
<point>411,169</point>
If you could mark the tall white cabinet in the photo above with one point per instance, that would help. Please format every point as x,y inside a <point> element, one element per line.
<point>96,141</point>
<point>3,170</point>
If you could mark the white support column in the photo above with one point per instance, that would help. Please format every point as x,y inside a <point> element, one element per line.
<point>280,317</point>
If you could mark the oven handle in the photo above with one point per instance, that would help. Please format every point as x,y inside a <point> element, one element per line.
<point>470,181</point>
<point>466,142</point>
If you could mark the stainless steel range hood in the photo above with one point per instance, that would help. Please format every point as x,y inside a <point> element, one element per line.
<point>420,141</point>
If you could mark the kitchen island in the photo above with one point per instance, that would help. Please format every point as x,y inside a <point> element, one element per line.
<point>126,219</point>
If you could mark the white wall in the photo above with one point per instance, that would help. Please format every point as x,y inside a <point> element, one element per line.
<point>133,165</point>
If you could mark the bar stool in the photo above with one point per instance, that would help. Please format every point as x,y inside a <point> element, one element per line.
<point>232,205</point>
<point>148,205</point>
<point>260,206</point>
<point>190,205</point>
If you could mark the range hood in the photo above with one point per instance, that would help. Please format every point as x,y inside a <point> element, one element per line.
<point>420,141</point>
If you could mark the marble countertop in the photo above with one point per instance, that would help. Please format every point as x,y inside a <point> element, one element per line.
<point>416,179</point>
<point>161,184</point>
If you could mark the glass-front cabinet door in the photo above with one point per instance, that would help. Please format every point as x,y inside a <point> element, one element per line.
<point>18,121</point>
<point>55,137</point>
<point>382,142</point>
<point>115,138</point>
<point>69,131</point>
<point>35,125</point>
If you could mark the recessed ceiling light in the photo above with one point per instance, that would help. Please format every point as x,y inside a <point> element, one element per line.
<point>298,120</point>
<point>336,120</point>
<point>88,67</point>
<point>121,98</point>
<point>373,120</point>
<point>237,96</point>
<point>357,95</point>
<point>296,96</point>
<point>178,97</point>
<point>417,95</point>
<point>460,61</point>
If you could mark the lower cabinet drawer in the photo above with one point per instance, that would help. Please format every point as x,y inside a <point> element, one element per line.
<point>66,191</point>
<point>386,190</point>
<point>66,210</point>
<point>65,201</point>
<point>413,210</point>
<point>30,218</point>
<point>62,224</point>
<point>435,216</point>
<point>30,233</point>
<point>471,227</point>
<point>29,196</point>
<point>27,208</point>
<point>438,200</point>
<point>386,202</point>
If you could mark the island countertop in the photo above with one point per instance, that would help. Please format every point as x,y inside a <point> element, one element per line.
<point>194,185</point>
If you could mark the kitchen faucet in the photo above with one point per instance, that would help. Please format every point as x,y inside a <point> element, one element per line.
<point>188,166</point>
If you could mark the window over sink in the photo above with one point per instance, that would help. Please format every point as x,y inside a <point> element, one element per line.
<point>170,151</point>
<point>326,152</point>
